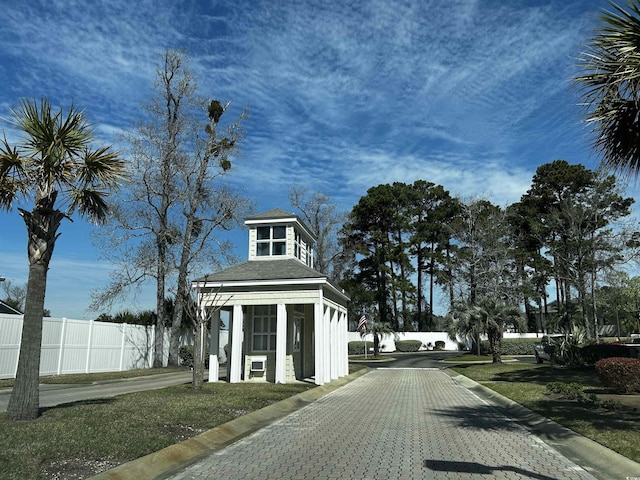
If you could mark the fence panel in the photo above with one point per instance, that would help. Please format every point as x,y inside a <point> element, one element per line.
<point>10,333</point>
<point>80,346</point>
<point>137,347</point>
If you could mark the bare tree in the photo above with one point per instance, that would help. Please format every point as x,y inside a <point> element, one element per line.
<point>484,263</point>
<point>202,313</point>
<point>324,220</point>
<point>165,223</point>
<point>15,295</point>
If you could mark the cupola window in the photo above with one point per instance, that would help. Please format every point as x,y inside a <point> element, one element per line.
<point>271,241</point>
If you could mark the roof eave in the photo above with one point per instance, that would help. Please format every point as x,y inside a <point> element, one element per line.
<point>320,281</point>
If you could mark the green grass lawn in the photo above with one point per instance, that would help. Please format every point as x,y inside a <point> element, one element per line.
<point>370,358</point>
<point>81,439</point>
<point>617,428</point>
<point>475,358</point>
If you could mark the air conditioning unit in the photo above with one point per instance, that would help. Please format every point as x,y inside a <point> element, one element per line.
<point>258,364</point>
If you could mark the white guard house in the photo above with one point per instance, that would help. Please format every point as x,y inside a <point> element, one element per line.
<point>287,322</point>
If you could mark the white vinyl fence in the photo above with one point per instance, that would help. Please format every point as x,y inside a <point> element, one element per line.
<point>82,346</point>
<point>79,346</point>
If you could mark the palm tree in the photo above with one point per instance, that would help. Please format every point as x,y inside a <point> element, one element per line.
<point>487,316</point>
<point>611,88</point>
<point>462,324</point>
<point>379,330</point>
<point>55,159</point>
<point>496,316</point>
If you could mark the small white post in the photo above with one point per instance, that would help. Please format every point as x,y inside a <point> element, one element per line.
<point>61,351</point>
<point>122,346</point>
<point>89,346</point>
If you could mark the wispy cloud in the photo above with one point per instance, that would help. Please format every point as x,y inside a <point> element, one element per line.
<point>342,95</point>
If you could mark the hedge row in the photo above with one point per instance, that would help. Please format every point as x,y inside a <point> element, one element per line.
<point>513,346</point>
<point>408,345</point>
<point>357,347</point>
<point>591,354</point>
<point>619,373</point>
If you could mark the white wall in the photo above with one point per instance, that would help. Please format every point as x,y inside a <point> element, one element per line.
<point>388,344</point>
<point>80,346</point>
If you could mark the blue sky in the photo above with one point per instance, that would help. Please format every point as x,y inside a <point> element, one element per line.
<point>342,96</point>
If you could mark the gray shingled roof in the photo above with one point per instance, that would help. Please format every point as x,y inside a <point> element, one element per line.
<point>275,213</point>
<point>5,308</point>
<point>280,269</point>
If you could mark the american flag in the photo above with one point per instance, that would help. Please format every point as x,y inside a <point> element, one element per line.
<point>362,324</point>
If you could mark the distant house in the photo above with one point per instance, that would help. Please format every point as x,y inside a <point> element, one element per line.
<point>287,322</point>
<point>8,309</point>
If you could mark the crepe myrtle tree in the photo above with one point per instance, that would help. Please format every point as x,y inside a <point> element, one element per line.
<point>57,168</point>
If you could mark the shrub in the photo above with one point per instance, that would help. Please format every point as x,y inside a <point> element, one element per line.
<point>570,391</point>
<point>357,347</point>
<point>408,345</point>
<point>186,356</point>
<point>518,346</point>
<point>439,345</point>
<point>590,354</point>
<point>619,373</point>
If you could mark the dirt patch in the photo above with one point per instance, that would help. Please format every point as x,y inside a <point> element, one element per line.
<point>77,468</point>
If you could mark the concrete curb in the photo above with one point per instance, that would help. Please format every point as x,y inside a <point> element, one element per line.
<point>175,458</point>
<point>600,461</point>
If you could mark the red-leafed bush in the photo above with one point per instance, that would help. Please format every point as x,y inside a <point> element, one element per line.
<point>619,373</point>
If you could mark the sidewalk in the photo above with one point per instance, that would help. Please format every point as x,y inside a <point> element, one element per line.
<point>393,424</point>
<point>56,394</point>
<point>380,424</point>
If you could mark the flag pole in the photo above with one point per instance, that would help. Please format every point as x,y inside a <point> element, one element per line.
<point>362,328</point>
<point>365,342</point>
<point>363,323</point>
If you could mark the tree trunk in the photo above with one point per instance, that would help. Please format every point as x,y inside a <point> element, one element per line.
<point>25,397</point>
<point>176,329</point>
<point>198,360</point>
<point>158,340</point>
<point>376,344</point>
<point>450,278</point>
<point>42,225</point>
<point>432,269</point>
<point>419,288</point>
<point>179,308</point>
<point>495,340</point>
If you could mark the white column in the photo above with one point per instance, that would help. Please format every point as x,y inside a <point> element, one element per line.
<point>214,348</point>
<point>344,341</point>
<point>319,329</point>
<point>327,344</point>
<point>235,369</point>
<point>281,343</point>
<point>334,344</point>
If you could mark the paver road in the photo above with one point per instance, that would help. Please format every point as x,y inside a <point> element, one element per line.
<point>391,424</point>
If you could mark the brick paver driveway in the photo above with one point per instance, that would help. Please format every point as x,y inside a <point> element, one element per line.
<point>391,424</point>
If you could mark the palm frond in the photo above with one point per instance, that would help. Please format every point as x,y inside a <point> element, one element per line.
<point>101,166</point>
<point>90,203</point>
<point>13,174</point>
<point>610,88</point>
